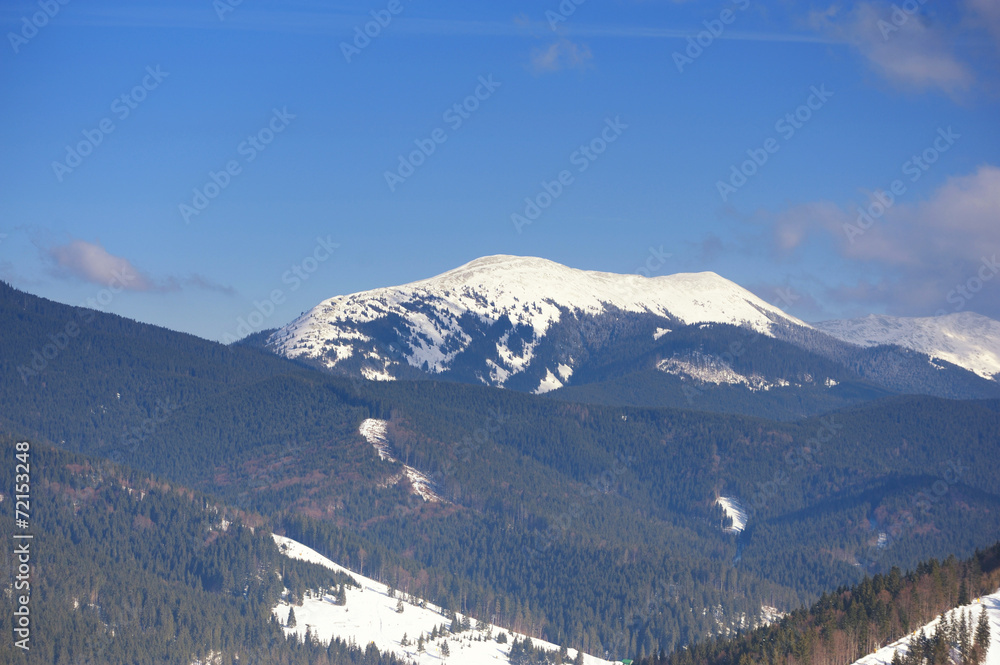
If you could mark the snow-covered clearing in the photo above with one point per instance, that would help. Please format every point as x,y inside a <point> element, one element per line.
<point>989,603</point>
<point>371,615</point>
<point>375,432</point>
<point>733,510</point>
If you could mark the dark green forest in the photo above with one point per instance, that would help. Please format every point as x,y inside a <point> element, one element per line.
<point>849,623</point>
<point>131,570</point>
<point>592,525</point>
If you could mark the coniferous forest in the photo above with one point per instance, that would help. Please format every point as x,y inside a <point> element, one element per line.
<point>590,525</point>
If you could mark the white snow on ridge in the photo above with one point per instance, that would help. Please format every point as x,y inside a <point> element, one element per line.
<point>531,292</point>
<point>990,604</point>
<point>734,510</point>
<point>371,616</point>
<point>712,369</point>
<point>549,383</point>
<point>374,431</point>
<point>965,339</point>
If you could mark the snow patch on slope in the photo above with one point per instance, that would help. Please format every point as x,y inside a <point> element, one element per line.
<point>712,369</point>
<point>734,510</point>
<point>965,339</point>
<point>371,615</point>
<point>549,383</point>
<point>990,604</point>
<point>374,431</point>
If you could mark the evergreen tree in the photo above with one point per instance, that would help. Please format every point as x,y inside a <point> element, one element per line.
<point>982,636</point>
<point>445,651</point>
<point>963,594</point>
<point>291,618</point>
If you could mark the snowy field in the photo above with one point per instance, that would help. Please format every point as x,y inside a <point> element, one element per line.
<point>734,510</point>
<point>371,616</point>
<point>989,603</point>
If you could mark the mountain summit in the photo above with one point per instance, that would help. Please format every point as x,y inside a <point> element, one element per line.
<point>511,321</point>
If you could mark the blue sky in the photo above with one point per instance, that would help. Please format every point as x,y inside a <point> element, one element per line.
<point>266,90</point>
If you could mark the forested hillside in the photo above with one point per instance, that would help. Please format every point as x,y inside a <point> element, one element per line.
<point>590,525</point>
<point>127,569</point>
<point>849,623</point>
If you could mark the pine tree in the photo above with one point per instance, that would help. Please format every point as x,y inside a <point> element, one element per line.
<point>965,638</point>
<point>291,618</point>
<point>445,651</point>
<point>982,636</point>
<point>405,642</point>
<point>963,594</point>
<point>420,644</point>
<point>399,606</point>
<point>579,658</point>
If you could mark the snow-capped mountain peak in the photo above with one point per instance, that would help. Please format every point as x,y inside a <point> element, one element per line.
<point>965,339</point>
<point>502,310</point>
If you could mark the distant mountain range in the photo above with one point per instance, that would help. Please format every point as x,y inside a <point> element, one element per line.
<point>532,325</point>
<point>588,516</point>
<point>965,339</point>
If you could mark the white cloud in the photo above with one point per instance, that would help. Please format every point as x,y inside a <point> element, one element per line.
<point>92,263</point>
<point>903,48</point>
<point>913,254</point>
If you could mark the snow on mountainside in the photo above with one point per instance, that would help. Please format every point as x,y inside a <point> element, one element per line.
<point>965,339</point>
<point>372,615</point>
<point>734,510</point>
<point>990,604</point>
<point>500,308</point>
<point>374,431</point>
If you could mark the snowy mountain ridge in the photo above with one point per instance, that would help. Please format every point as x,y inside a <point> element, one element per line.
<point>965,339</point>
<point>502,308</point>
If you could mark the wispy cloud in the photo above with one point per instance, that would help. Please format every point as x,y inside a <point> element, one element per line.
<point>561,54</point>
<point>905,50</point>
<point>92,263</point>
<point>987,13</point>
<point>911,255</point>
<point>307,18</point>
